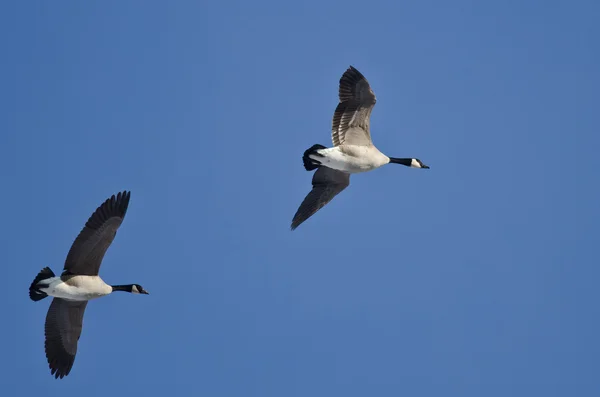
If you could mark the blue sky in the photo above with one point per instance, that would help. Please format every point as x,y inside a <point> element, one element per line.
<point>478,277</point>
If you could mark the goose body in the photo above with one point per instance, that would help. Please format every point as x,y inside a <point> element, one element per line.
<point>79,283</point>
<point>352,159</point>
<point>353,150</point>
<point>75,288</point>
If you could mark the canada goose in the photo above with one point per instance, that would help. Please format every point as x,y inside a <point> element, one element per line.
<point>79,283</point>
<point>353,150</point>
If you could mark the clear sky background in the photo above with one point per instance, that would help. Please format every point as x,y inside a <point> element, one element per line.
<point>478,277</point>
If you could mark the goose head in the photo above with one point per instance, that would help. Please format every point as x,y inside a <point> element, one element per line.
<point>138,289</point>
<point>416,163</point>
<point>409,162</point>
<point>133,288</point>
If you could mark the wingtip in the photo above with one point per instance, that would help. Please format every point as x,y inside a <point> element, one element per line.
<point>352,70</point>
<point>294,224</point>
<point>122,198</point>
<point>124,195</point>
<point>296,221</point>
<point>115,205</point>
<point>348,84</point>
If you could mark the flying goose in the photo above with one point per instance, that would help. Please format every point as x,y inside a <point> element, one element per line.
<point>79,283</point>
<point>352,151</point>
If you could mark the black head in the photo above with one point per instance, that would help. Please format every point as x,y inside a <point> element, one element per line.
<point>138,289</point>
<point>416,163</point>
<point>133,288</point>
<point>409,162</point>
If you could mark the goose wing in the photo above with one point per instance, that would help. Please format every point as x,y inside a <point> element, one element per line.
<point>350,124</point>
<point>63,329</point>
<point>86,253</point>
<point>327,183</point>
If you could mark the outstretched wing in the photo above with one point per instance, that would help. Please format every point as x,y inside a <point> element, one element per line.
<point>327,183</point>
<point>350,124</point>
<point>63,329</point>
<point>87,252</point>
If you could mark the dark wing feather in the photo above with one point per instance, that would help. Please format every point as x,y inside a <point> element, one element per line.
<point>87,252</point>
<point>327,183</point>
<point>351,117</point>
<point>63,329</point>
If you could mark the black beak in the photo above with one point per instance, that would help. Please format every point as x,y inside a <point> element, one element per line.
<point>425,166</point>
<point>144,292</point>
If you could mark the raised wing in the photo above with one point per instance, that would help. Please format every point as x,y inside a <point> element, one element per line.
<point>327,183</point>
<point>87,252</point>
<point>350,124</point>
<point>63,329</point>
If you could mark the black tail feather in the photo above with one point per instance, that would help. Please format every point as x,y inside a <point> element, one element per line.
<point>34,293</point>
<point>311,164</point>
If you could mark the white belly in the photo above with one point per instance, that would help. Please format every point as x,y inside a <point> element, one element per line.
<point>79,288</point>
<point>352,159</point>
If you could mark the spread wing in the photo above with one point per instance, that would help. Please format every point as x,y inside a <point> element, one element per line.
<point>350,124</point>
<point>87,252</point>
<point>63,329</point>
<point>327,183</point>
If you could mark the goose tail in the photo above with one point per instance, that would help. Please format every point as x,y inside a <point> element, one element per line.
<point>309,163</point>
<point>34,292</point>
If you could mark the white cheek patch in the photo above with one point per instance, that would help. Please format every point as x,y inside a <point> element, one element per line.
<point>134,289</point>
<point>415,164</point>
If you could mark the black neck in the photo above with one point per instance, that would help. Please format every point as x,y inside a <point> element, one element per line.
<point>406,162</point>
<point>126,288</point>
